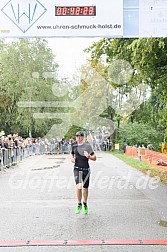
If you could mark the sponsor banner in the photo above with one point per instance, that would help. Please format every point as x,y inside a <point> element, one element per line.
<point>61,18</point>
<point>83,18</point>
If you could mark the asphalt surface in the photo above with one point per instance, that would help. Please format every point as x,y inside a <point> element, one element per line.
<point>37,202</point>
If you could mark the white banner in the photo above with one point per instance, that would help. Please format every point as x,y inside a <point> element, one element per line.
<point>153,18</point>
<point>61,18</point>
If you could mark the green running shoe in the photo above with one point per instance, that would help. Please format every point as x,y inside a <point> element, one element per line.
<point>85,209</point>
<point>78,209</point>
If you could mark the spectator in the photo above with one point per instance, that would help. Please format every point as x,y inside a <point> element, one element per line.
<point>124,147</point>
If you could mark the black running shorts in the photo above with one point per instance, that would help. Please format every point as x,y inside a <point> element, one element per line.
<point>82,176</point>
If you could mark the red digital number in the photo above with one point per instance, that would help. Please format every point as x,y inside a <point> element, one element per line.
<point>64,11</point>
<point>58,11</point>
<point>85,10</point>
<point>77,10</point>
<point>91,10</point>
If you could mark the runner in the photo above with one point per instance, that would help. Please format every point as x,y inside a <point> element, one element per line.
<point>80,154</point>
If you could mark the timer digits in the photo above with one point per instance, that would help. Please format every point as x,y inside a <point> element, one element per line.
<point>75,10</point>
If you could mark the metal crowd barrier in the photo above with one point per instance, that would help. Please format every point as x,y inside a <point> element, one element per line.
<point>11,156</point>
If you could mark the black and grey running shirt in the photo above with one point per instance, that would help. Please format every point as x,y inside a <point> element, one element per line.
<point>78,151</point>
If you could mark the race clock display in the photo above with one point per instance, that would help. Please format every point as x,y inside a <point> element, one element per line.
<point>75,10</point>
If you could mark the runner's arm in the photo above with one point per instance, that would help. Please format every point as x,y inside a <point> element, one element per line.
<point>91,156</point>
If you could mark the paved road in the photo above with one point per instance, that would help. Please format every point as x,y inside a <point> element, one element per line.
<point>37,202</point>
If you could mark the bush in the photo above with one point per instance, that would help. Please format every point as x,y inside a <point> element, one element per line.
<point>138,134</point>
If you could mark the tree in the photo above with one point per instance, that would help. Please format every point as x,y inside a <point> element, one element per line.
<point>138,134</point>
<point>24,64</point>
<point>147,56</point>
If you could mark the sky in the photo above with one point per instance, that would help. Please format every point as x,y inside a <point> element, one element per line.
<point>69,53</point>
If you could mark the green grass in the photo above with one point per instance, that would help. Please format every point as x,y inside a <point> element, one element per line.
<point>142,166</point>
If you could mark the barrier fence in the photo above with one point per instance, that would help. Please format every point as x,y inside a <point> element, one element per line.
<point>149,156</point>
<point>11,156</point>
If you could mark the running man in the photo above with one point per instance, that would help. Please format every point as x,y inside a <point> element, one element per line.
<point>81,152</point>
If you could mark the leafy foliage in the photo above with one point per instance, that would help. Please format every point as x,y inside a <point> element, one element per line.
<point>27,73</point>
<point>148,58</point>
<point>137,134</point>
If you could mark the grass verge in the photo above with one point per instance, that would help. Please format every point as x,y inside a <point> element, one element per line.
<point>160,172</point>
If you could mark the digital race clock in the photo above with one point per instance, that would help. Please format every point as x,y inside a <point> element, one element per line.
<point>75,10</point>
